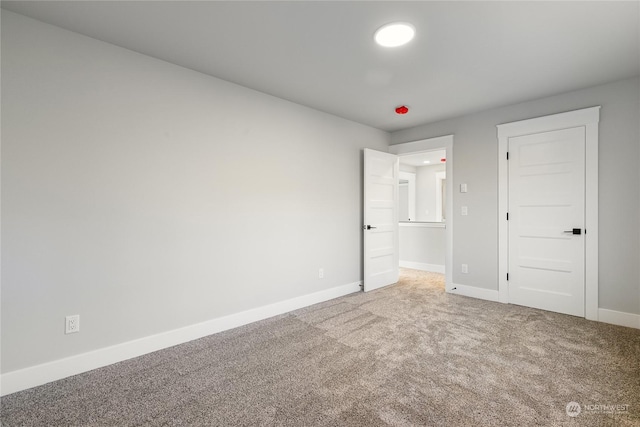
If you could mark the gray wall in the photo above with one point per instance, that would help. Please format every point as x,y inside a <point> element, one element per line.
<point>425,245</point>
<point>147,197</point>
<point>475,239</point>
<point>403,202</point>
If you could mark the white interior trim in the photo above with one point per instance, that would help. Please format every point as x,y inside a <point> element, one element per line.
<point>475,292</point>
<point>619,318</point>
<point>431,144</point>
<point>434,268</point>
<point>423,224</point>
<point>22,379</point>
<point>589,118</point>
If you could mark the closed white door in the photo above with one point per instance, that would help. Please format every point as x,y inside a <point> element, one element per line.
<point>546,220</point>
<point>380,219</point>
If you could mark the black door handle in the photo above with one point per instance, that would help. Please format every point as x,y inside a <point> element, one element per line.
<point>367,227</point>
<point>574,231</point>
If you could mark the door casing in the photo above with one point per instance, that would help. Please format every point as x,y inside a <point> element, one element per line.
<point>589,118</point>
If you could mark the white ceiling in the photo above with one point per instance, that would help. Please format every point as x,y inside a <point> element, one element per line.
<point>419,159</point>
<point>466,57</point>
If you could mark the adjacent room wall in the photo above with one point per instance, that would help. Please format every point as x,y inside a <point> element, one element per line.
<point>426,192</point>
<point>407,168</point>
<point>422,247</point>
<point>148,197</point>
<point>475,239</point>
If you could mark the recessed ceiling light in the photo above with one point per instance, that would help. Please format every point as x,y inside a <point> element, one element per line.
<point>426,161</point>
<point>395,34</point>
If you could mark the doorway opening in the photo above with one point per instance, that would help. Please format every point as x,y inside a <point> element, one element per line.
<point>425,190</point>
<point>422,217</point>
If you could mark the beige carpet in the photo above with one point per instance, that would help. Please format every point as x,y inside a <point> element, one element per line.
<point>406,355</point>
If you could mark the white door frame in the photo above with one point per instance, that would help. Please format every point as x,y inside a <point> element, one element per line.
<point>431,144</point>
<point>588,118</point>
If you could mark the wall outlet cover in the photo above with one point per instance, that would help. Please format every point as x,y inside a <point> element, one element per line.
<point>72,324</point>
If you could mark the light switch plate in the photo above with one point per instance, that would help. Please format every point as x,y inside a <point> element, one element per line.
<point>463,188</point>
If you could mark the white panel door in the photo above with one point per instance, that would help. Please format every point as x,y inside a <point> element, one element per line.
<point>546,220</point>
<point>380,219</point>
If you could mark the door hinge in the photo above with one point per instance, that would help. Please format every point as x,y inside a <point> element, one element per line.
<point>507,216</point>
<point>507,155</point>
<point>507,276</point>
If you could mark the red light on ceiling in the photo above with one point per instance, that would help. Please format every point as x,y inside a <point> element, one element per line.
<point>403,109</point>
<point>442,160</point>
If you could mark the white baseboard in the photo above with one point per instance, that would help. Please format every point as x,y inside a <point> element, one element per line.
<point>33,376</point>
<point>619,318</point>
<point>434,268</point>
<point>475,292</point>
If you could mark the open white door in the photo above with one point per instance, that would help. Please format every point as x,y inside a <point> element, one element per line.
<point>380,219</point>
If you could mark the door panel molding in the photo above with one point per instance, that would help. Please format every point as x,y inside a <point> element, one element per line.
<point>589,118</point>
<point>380,228</point>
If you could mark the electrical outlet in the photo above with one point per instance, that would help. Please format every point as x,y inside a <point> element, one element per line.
<point>465,268</point>
<point>464,211</point>
<point>72,324</point>
<point>321,273</point>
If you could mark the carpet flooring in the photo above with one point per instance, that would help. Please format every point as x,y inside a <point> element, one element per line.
<point>405,355</point>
